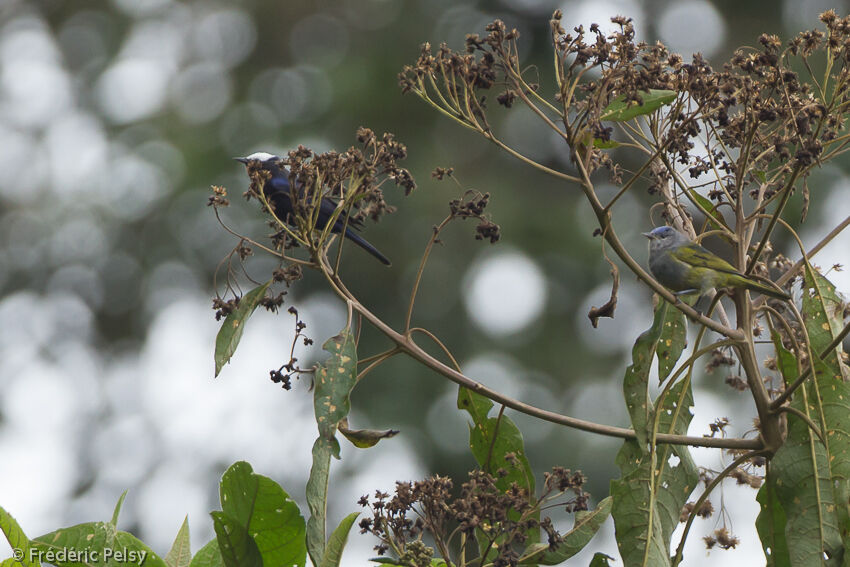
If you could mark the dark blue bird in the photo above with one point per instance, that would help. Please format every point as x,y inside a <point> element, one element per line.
<point>277,191</point>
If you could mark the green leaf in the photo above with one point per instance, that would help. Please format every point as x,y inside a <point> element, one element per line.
<point>600,560</point>
<point>333,381</point>
<point>811,478</point>
<point>654,486</point>
<point>671,343</point>
<point>477,405</point>
<point>336,543</point>
<point>317,497</point>
<point>605,144</point>
<point>364,438</point>
<point>714,216</point>
<point>180,553</point>
<point>237,547</point>
<point>231,330</point>
<point>117,511</point>
<point>208,556</point>
<point>17,539</point>
<point>620,111</point>
<point>492,439</point>
<point>266,512</point>
<point>770,524</point>
<point>94,543</point>
<point>636,380</point>
<point>585,527</point>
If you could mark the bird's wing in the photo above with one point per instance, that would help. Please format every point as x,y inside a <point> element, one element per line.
<point>279,183</point>
<point>695,255</point>
<point>327,208</point>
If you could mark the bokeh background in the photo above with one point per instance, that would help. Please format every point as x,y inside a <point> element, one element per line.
<point>116,117</point>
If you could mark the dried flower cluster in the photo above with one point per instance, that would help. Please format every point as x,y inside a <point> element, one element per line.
<point>486,517</point>
<point>471,206</point>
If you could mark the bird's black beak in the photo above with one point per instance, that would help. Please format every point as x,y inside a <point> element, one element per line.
<point>242,160</point>
<point>648,235</point>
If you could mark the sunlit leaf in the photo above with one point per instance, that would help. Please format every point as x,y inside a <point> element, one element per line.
<point>620,111</point>
<point>180,554</point>
<point>235,543</point>
<point>272,519</point>
<point>100,541</point>
<point>208,556</point>
<point>17,539</point>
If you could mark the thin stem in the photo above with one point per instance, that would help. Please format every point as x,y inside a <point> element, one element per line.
<point>383,358</point>
<point>439,343</point>
<point>417,353</point>
<point>787,194</point>
<point>677,559</point>
<point>805,418</point>
<point>421,270</point>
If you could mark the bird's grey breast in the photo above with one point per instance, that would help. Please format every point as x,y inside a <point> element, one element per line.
<point>671,273</point>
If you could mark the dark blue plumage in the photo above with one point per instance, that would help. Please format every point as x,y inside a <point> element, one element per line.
<point>277,192</point>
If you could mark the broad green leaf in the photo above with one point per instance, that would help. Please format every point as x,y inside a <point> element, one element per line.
<point>235,543</point>
<point>477,405</point>
<point>231,330</point>
<point>671,343</point>
<point>811,479</point>
<point>823,312</point>
<point>333,382</point>
<point>492,439</point>
<point>117,511</point>
<point>620,111</point>
<point>266,512</point>
<point>17,539</point>
<point>364,438</point>
<point>585,527</point>
<point>180,554</point>
<point>636,380</point>
<point>654,486</point>
<point>771,525</point>
<point>317,498</point>
<point>600,560</point>
<point>94,543</point>
<point>714,215</point>
<point>336,543</point>
<point>208,556</point>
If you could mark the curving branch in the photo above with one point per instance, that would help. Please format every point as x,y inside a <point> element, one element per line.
<point>406,344</point>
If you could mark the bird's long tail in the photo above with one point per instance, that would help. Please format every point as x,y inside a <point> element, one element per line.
<point>765,289</point>
<point>364,244</point>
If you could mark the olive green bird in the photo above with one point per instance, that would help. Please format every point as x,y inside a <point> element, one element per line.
<point>686,267</point>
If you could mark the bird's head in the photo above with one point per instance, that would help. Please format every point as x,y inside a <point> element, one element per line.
<point>266,160</point>
<point>665,237</point>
